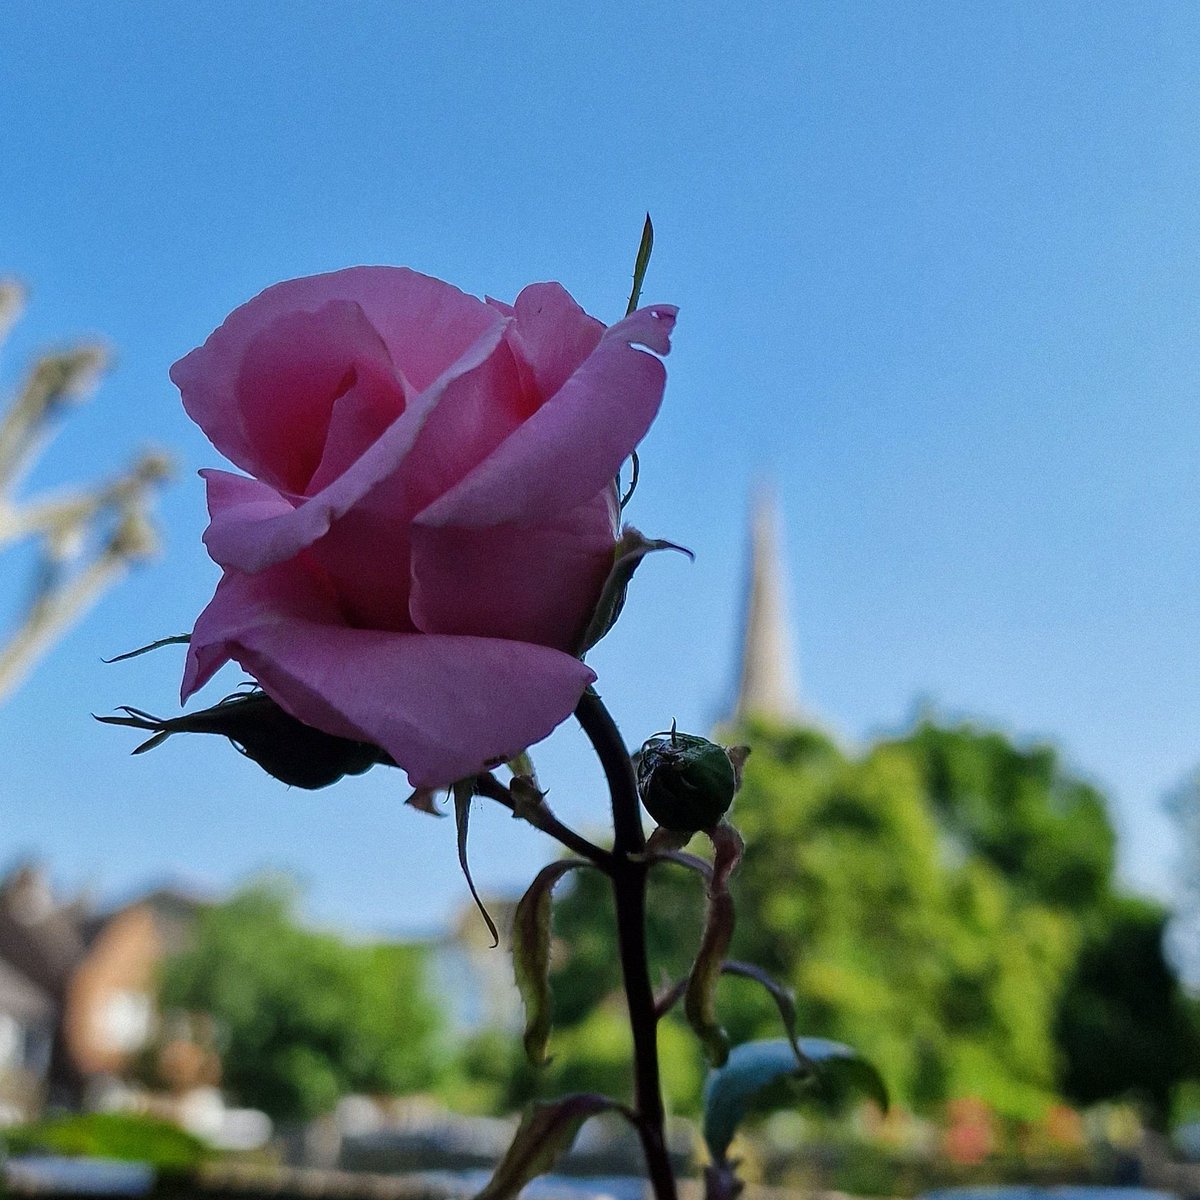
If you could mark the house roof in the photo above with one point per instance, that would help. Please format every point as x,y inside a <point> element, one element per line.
<point>41,940</point>
<point>21,998</point>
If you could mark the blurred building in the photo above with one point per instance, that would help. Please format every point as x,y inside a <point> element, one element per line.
<point>474,977</point>
<point>766,680</point>
<point>77,988</point>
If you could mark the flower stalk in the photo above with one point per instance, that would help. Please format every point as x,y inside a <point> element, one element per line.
<point>628,871</point>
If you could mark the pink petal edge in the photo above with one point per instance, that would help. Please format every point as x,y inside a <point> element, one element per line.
<point>576,441</point>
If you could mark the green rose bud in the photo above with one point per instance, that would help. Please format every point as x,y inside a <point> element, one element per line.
<point>687,783</point>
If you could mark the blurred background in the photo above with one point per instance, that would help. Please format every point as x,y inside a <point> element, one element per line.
<point>936,266</point>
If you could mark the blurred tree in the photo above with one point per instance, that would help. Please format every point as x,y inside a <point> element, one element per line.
<point>1183,805</point>
<point>87,539</point>
<point>1125,1025</point>
<point>304,1017</point>
<point>936,902</point>
<point>1045,830</point>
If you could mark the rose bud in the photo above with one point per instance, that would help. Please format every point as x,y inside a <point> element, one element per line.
<point>292,752</point>
<point>687,783</point>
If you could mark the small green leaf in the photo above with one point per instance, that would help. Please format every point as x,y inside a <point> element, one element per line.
<point>629,552</point>
<point>531,955</point>
<point>699,997</point>
<point>547,1131</point>
<point>180,639</point>
<point>784,1001</point>
<point>645,248</point>
<point>753,1066</point>
<point>464,792</point>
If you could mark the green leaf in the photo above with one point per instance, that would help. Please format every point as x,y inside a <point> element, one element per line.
<point>128,1137</point>
<point>547,1131</point>
<point>464,792</point>
<point>699,997</point>
<point>785,1001</point>
<point>645,248</point>
<point>631,548</point>
<point>180,639</point>
<point>700,994</point>
<point>753,1066</point>
<point>531,955</point>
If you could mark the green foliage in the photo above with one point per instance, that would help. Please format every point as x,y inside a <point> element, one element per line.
<point>125,1136</point>
<point>943,903</point>
<point>1045,831</point>
<point>304,1016</point>
<point>1125,1024</point>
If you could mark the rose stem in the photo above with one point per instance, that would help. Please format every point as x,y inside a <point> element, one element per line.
<point>628,872</point>
<point>542,818</point>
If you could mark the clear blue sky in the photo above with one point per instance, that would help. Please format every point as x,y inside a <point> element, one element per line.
<point>938,267</point>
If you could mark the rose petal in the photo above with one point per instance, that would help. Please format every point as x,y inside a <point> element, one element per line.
<point>566,452</point>
<point>366,558</point>
<point>250,541</point>
<point>292,375</point>
<point>241,602</point>
<point>366,551</point>
<point>425,325</point>
<point>359,417</point>
<point>529,583</point>
<point>443,707</point>
<point>552,334</point>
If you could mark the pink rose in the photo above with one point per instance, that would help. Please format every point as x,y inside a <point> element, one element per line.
<point>430,514</point>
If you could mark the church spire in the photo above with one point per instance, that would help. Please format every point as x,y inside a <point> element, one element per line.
<point>767,682</point>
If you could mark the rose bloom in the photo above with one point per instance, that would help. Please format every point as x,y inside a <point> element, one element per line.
<point>428,513</point>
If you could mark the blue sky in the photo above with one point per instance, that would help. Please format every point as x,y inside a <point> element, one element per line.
<point>937,269</point>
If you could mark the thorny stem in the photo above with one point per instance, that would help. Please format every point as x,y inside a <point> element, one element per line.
<point>542,818</point>
<point>628,871</point>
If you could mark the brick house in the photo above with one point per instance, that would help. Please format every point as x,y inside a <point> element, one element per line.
<point>77,989</point>
<point>27,1018</point>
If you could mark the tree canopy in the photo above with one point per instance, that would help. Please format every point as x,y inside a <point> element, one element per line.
<point>943,901</point>
<point>304,1017</point>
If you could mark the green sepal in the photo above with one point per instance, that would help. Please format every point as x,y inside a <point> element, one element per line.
<point>785,1001</point>
<point>180,639</point>
<point>287,749</point>
<point>464,792</point>
<point>630,549</point>
<point>699,997</point>
<point>645,249</point>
